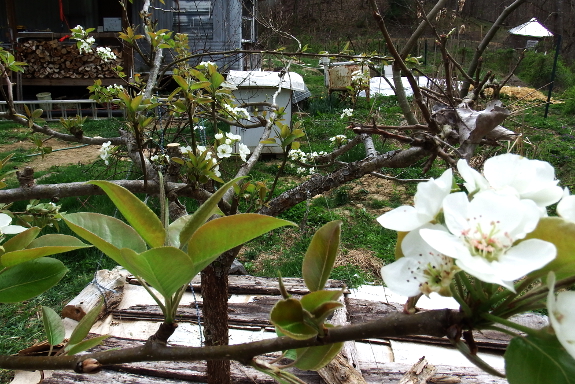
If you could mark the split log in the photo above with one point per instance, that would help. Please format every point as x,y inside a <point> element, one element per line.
<point>420,373</point>
<point>108,285</point>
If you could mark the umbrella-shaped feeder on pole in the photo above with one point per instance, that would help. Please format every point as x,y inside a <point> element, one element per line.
<point>534,29</point>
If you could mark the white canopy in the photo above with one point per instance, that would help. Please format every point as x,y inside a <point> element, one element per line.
<point>531,28</point>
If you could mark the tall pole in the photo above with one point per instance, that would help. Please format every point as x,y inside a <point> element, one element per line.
<point>557,49</point>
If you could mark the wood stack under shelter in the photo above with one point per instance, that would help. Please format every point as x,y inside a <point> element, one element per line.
<point>55,60</point>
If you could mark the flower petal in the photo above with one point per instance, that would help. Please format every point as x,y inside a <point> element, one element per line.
<point>444,242</point>
<point>404,219</point>
<point>5,220</point>
<point>473,179</point>
<point>566,208</point>
<point>525,257</point>
<point>13,229</point>
<point>397,277</point>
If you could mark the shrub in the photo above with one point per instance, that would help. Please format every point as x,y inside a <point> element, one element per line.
<point>537,67</point>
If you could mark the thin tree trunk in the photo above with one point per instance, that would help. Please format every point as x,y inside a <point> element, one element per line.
<point>215,311</point>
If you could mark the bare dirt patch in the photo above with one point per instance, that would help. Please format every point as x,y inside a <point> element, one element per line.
<point>362,258</point>
<point>80,155</point>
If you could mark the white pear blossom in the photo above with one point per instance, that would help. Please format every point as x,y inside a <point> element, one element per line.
<point>206,63</point>
<point>105,53</point>
<point>219,136</point>
<point>483,233</point>
<point>561,309</point>
<point>566,207</point>
<point>422,269</point>
<point>224,150</point>
<point>427,204</point>
<point>216,170</point>
<point>243,150</point>
<point>186,149</point>
<point>6,228</point>
<point>515,175</point>
<point>105,150</point>
<point>232,136</point>
<point>347,112</point>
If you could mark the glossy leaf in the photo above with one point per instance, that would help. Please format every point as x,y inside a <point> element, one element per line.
<point>29,279</point>
<point>21,240</point>
<point>107,233</point>
<point>320,255</point>
<point>288,316</point>
<point>313,300</point>
<point>136,212</point>
<point>164,268</point>
<point>43,246</point>
<point>204,212</point>
<point>84,326</point>
<point>86,344</point>
<point>314,358</point>
<point>530,360</point>
<point>224,233</point>
<point>53,326</point>
<point>561,233</point>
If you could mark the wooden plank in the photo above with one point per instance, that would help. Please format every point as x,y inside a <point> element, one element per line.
<point>254,314</point>
<point>252,285</point>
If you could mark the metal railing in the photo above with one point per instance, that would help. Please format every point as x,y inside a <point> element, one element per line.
<point>54,109</point>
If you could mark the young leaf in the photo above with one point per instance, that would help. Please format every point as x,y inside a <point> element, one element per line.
<point>320,256</point>
<point>287,315</point>
<point>224,233</point>
<point>86,344</point>
<point>204,212</point>
<point>136,212</point>
<point>30,279</point>
<point>561,233</point>
<point>530,360</point>
<point>107,233</point>
<point>84,326</point>
<point>21,240</point>
<point>43,246</point>
<point>53,326</point>
<point>314,358</point>
<point>164,268</point>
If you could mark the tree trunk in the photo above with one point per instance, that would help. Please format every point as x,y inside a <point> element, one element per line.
<point>215,311</point>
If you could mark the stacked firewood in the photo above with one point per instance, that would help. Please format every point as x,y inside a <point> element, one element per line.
<point>54,60</point>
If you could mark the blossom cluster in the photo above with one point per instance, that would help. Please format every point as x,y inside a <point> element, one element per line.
<point>338,140</point>
<point>85,43</point>
<point>478,232</point>
<point>303,157</point>
<point>237,112</point>
<point>225,145</point>
<point>160,159</point>
<point>105,152</point>
<point>347,112</point>
<point>105,53</point>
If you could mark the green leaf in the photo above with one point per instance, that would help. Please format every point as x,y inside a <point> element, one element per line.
<point>43,246</point>
<point>224,233</point>
<point>287,315</point>
<point>53,326</point>
<point>268,141</point>
<point>204,212</point>
<point>164,268</point>
<point>320,256</point>
<point>84,326</point>
<point>136,212</point>
<point>530,360</point>
<point>30,279</point>
<point>314,358</point>
<point>561,233</point>
<point>86,344</point>
<point>181,82</point>
<point>107,233</point>
<point>313,300</point>
<point>21,240</point>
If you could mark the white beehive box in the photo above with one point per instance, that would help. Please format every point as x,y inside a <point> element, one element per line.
<point>261,86</point>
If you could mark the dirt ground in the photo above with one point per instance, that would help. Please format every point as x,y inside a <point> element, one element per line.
<point>82,155</point>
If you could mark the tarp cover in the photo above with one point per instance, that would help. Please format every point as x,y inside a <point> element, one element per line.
<point>531,28</point>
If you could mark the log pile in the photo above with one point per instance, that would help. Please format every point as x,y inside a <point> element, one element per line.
<point>55,60</point>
